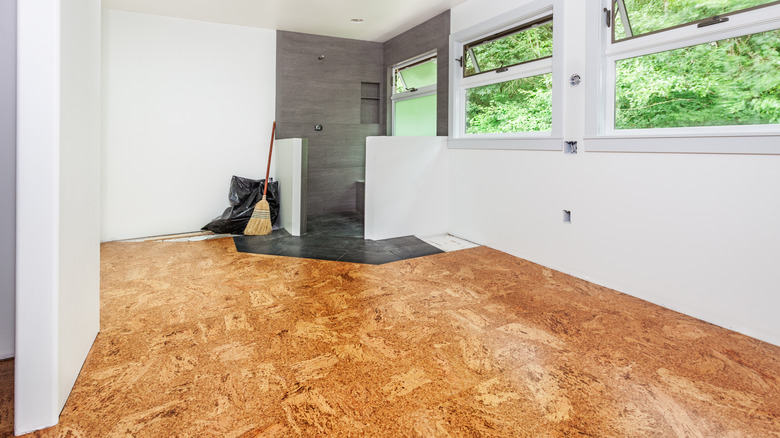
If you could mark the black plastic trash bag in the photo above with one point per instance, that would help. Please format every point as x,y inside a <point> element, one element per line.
<point>244,194</point>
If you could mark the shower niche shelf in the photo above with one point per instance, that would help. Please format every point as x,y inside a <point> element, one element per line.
<point>369,102</point>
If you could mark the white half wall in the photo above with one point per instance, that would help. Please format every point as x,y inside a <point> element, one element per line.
<point>291,173</point>
<point>57,258</point>
<point>186,105</point>
<point>692,232</point>
<point>79,278</point>
<point>406,186</point>
<point>36,372</point>
<point>7,175</point>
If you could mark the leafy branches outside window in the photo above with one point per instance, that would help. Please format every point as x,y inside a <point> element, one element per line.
<point>735,81</point>
<point>520,105</point>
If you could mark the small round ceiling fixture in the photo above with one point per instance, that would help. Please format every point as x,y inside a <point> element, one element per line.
<point>356,20</point>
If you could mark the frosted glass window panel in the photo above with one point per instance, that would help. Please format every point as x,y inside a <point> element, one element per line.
<point>416,76</point>
<point>416,117</point>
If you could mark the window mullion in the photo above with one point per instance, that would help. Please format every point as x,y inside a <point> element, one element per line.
<point>421,92</point>
<point>611,74</point>
<point>516,72</point>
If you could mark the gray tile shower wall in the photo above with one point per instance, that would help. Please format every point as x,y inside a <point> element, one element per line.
<point>312,91</point>
<point>434,34</point>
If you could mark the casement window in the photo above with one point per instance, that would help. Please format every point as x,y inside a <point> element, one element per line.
<point>506,82</point>
<point>414,96</point>
<point>698,76</point>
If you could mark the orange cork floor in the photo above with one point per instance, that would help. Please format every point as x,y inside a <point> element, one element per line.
<point>199,340</point>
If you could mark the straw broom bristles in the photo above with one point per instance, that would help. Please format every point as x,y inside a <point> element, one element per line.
<point>260,222</point>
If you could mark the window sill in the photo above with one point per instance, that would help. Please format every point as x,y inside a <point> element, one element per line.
<point>522,144</point>
<point>713,144</point>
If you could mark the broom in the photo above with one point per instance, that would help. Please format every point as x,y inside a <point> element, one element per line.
<point>260,223</point>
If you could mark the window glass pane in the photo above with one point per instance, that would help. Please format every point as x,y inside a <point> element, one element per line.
<point>735,81</point>
<point>520,105</point>
<point>416,76</point>
<point>527,44</point>
<point>651,15</point>
<point>416,116</point>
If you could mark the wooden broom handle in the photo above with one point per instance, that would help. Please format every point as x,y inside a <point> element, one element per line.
<point>270,149</point>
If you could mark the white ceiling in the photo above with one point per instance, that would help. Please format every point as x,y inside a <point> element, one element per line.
<point>383,19</point>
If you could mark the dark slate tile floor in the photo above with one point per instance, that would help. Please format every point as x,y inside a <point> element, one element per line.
<point>336,237</point>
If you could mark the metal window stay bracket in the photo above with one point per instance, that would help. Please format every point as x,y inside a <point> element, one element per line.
<point>474,60</point>
<point>621,6</point>
<point>401,77</point>
<point>621,9</point>
<point>714,20</point>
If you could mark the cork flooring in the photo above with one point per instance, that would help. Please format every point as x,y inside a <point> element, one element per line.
<point>199,340</point>
<point>6,397</point>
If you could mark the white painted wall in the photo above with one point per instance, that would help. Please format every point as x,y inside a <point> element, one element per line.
<point>79,279</point>
<point>406,186</point>
<point>57,259</point>
<point>186,105</point>
<point>37,213</point>
<point>7,175</point>
<point>694,233</point>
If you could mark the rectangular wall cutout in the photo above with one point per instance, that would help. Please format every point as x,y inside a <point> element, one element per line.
<point>369,102</point>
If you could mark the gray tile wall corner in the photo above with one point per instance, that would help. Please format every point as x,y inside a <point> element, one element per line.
<point>434,34</point>
<point>310,91</point>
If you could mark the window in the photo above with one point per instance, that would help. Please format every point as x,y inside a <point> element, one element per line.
<point>689,69</point>
<point>414,96</point>
<point>525,43</point>
<point>641,17</point>
<point>506,80</point>
<point>733,81</point>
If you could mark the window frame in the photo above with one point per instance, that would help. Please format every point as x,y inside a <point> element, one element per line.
<point>427,90</point>
<point>624,17</point>
<point>603,54</point>
<point>468,47</point>
<point>516,18</point>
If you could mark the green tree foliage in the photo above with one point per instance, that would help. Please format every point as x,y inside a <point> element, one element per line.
<point>521,105</point>
<point>735,81</point>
